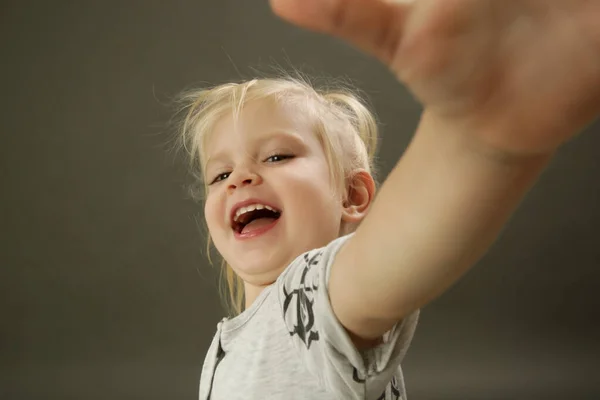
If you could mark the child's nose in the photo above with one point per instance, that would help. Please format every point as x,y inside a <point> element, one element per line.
<point>245,179</point>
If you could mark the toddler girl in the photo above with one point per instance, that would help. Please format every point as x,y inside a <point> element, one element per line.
<point>326,282</point>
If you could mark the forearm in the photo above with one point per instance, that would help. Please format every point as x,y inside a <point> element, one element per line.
<point>454,197</point>
<point>437,213</point>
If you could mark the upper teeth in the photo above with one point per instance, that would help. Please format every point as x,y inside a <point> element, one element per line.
<point>252,207</point>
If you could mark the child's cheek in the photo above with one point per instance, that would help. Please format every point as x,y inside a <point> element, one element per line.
<point>213,212</point>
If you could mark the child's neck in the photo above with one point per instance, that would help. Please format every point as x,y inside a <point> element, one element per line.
<point>251,293</point>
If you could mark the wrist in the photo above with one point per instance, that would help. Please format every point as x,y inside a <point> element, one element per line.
<point>488,143</point>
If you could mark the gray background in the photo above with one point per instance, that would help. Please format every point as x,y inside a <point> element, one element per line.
<point>105,291</point>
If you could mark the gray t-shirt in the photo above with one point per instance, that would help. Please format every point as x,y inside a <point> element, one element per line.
<point>289,345</point>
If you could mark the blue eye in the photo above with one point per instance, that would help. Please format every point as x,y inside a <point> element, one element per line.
<point>221,177</point>
<point>278,158</point>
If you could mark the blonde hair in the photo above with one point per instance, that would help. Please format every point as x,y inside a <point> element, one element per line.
<point>345,127</point>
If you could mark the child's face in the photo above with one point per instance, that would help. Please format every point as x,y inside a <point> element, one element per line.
<point>240,167</point>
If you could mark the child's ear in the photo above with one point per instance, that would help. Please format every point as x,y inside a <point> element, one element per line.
<point>359,195</point>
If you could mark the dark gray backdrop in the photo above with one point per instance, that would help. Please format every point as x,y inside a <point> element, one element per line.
<point>105,290</point>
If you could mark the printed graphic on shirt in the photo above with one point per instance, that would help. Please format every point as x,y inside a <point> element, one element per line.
<point>301,299</point>
<point>392,388</point>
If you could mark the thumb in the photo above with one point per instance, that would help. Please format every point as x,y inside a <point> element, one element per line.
<point>374,26</point>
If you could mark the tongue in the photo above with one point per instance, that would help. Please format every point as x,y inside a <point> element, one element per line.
<point>257,224</point>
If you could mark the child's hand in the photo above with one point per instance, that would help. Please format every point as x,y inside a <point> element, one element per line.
<point>519,76</point>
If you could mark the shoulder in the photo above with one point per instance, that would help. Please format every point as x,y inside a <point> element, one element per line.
<point>311,265</point>
<point>302,289</point>
<point>322,342</point>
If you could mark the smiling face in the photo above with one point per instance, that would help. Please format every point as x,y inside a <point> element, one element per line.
<point>270,158</point>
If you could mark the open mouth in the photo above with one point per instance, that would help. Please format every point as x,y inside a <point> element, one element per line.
<point>253,217</point>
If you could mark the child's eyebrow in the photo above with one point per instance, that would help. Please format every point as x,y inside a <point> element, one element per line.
<point>280,134</point>
<point>284,135</point>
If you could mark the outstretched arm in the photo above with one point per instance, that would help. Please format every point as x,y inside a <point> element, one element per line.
<point>437,213</point>
<point>503,85</point>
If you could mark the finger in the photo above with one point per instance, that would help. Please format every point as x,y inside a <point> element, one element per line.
<point>374,26</point>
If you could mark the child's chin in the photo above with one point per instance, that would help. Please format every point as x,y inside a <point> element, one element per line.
<point>263,266</point>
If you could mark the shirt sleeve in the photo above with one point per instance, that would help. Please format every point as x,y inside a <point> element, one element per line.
<point>324,344</point>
